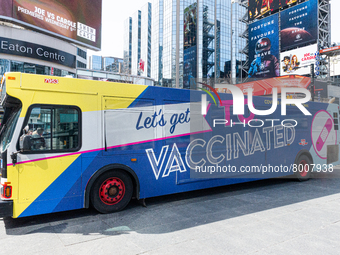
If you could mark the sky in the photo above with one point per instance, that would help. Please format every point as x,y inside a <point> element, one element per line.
<point>115,12</point>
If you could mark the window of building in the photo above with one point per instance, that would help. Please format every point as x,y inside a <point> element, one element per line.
<point>17,66</point>
<point>29,68</point>
<point>57,72</point>
<point>42,69</point>
<point>4,66</point>
<point>81,53</point>
<point>24,67</point>
<point>80,64</point>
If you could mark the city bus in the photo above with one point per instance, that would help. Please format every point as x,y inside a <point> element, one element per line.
<point>70,143</point>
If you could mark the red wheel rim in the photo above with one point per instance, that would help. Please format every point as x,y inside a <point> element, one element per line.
<point>305,170</point>
<point>112,191</point>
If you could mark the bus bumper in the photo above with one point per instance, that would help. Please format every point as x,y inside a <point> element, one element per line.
<point>6,208</point>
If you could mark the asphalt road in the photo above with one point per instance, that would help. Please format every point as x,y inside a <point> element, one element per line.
<point>277,216</point>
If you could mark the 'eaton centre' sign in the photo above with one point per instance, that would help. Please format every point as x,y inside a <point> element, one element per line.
<point>31,50</point>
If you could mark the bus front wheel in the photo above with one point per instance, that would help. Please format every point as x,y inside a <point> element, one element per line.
<point>303,168</point>
<point>112,191</point>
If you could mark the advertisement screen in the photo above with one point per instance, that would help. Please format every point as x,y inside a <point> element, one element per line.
<point>298,61</point>
<point>264,48</point>
<point>259,8</point>
<point>6,7</point>
<point>190,44</point>
<point>299,25</point>
<point>78,21</point>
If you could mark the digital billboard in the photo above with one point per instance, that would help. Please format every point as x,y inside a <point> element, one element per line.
<point>298,61</point>
<point>299,25</point>
<point>264,48</point>
<point>77,21</point>
<point>258,8</point>
<point>6,7</point>
<point>190,45</point>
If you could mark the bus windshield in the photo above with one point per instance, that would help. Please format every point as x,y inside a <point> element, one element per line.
<point>3,91</point>
<point>8,130</point>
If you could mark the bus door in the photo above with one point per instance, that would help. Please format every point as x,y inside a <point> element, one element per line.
<point>48,166</point>
<point>181,117</point>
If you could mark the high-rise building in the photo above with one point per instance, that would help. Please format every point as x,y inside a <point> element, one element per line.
<point>136,42</point>
<point>157,41</point>
<point>108,64</point>
<point>191,39</point>
<point>111,64</point>
<point>146,39</point>
<point>95,62</point>
<point>200,40</point>
<point>127,45</point>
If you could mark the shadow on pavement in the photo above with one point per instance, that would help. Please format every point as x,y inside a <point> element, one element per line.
<point>180,211</point>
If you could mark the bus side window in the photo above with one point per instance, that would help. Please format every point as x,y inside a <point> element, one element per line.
<point>39,124</point>
<point>65,129</point>
<point>51,128</point>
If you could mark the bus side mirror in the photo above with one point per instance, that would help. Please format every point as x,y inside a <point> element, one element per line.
<point>14,158</point>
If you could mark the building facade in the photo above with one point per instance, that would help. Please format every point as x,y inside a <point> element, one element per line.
<point>136,42</point>
<point>157,41</point>
<point>205,43</point>
<point>146,20</point>
<point>81,57</point>
<point>95,62</point>
<point>209,40</point>
<point>112,64</point>
<point>108,64</point>
<point>32,52</point>
<point>192,40</point>
<point>127,45</point>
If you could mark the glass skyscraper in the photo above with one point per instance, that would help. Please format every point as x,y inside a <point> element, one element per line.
<point>111,64</point>
<point>107,63</point>
<point>136,42</point>
<point>96,62</point>
<point>157,41</point>
<point>127,45</point>
<point>195,39</point>
<point>146,39</point>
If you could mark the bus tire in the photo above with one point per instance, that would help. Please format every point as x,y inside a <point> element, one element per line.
<point>303,166</point>
<point>111,191</point>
